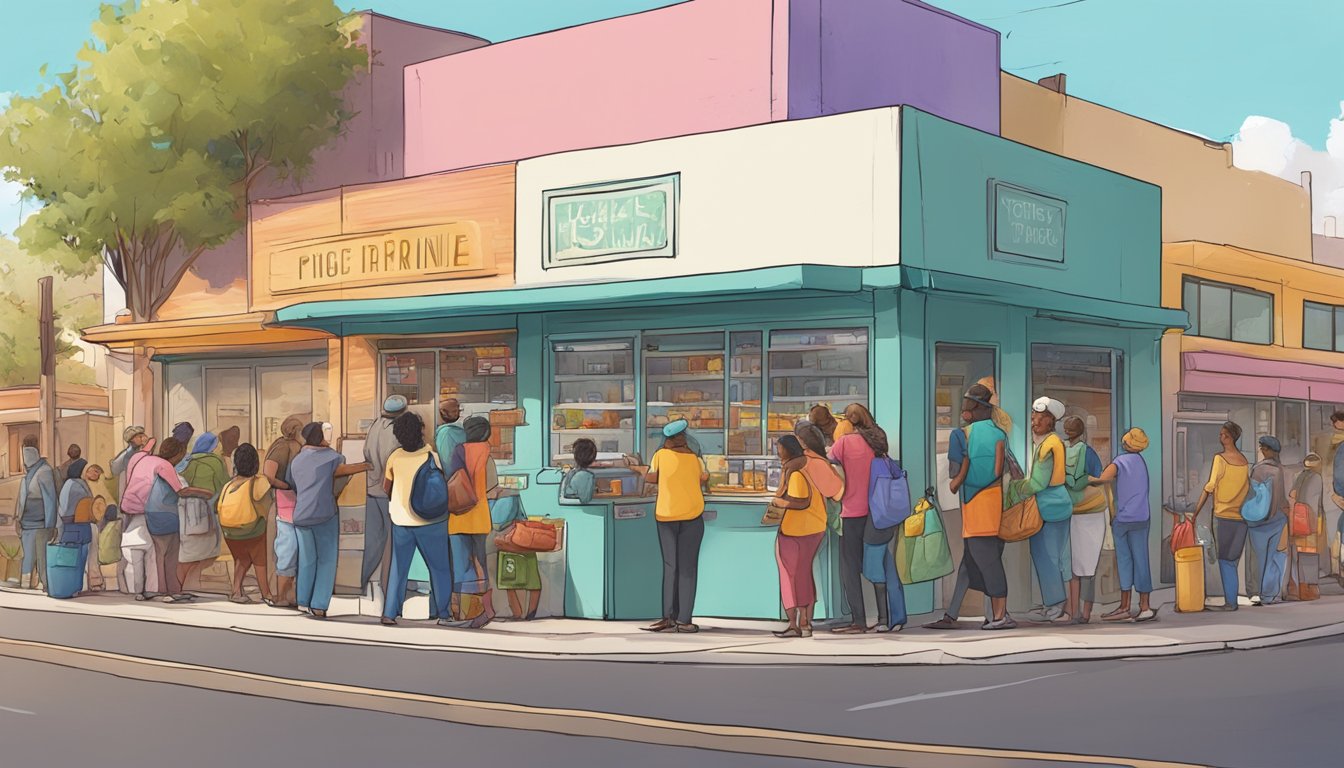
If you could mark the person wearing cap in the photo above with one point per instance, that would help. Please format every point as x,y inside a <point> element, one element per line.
<point>1133,517</point>
<point>679,511</point>
<point>976,457</point>
<point>315,472</point>
<point>378,448</point>
<point>1304,559</point>
<point>135,439</point>
<point>1264,572</point>
<point>1050,554</point>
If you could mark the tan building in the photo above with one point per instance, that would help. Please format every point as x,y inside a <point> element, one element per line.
<point>1266,318</point>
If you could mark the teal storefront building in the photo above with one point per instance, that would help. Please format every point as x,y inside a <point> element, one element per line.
<point>886,257</point>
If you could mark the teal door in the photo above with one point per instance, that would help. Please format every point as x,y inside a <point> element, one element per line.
<point>635,578</point>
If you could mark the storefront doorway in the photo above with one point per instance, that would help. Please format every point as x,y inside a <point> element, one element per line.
<point>1087,380</point>
<point>255,397</point>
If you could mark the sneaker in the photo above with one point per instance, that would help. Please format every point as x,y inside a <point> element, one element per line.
<point>1255,600</point>
<point>141,597</point>
<point>1045,615</point>
<point>947,622</point>
<point>1220,608</point>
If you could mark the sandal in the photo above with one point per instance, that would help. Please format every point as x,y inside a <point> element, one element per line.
<point>852,629</point>
<point>1119,614</point>
<point>1147,615</point>
<point>240,599</point>
<point>947,622</point>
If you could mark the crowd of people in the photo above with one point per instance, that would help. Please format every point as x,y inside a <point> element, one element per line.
<point>176,509</point>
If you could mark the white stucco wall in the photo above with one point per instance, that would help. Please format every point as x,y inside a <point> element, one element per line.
<point>818,191</point>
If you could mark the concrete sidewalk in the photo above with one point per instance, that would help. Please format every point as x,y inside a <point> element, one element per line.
<point>742,642</point>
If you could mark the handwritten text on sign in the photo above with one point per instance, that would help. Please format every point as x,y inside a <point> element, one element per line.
<point>1028,224</point>
<point>394,256</point>
<point>611,222</point>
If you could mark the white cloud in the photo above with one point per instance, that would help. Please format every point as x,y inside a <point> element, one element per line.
<point>1266,144</point>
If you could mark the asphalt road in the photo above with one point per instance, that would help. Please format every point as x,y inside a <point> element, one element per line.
<point>1271,708</point>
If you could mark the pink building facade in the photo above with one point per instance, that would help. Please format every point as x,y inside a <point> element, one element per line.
<point>699,66</point>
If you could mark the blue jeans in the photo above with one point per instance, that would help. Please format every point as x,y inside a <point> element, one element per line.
<point>879,567</point>
<point>1131,556</point>
<point>1264,541</point>
<point>432,542</point>
<point>1052,557</point>
<point>318,547</point>
<point>286,549</point>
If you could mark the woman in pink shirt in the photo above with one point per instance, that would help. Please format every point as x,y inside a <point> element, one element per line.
<point>855,453</point>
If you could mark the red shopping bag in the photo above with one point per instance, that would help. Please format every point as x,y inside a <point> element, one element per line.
<point>1183,535</point>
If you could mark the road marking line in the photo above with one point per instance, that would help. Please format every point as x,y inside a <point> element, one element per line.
<point>945,694</point>
<point>17,711</point>
<point>569,722</point>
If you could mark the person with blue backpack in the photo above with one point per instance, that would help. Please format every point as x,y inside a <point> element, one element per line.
<point>1264,583</point>
<point>417,493</point>
<point>863,541</point>
<point>1228,486</point>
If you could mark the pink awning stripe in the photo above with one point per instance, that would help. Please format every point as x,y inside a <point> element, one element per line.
<point>1216,373</point>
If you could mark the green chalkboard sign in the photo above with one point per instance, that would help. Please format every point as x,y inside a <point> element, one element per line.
<point>616,221</point>
<point>1027,224</point>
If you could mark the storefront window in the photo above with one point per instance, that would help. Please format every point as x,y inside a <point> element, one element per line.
<point>1291,429</point>
<point>716,381</point>
<point>1322,431</point>
<point>595,397</point>
<point>956,369</point>
<point>684,379</point>
<point>1085,380</point>
<point>479,372</point>
<point>744,394</point>
<point>807,368</point>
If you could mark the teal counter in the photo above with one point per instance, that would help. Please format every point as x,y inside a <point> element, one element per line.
<point>614,568</point>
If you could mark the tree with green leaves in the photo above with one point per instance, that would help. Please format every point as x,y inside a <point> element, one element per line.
<point>78,302</point>
<point>142,157</point>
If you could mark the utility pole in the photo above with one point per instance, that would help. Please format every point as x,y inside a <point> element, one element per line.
<point>46,407</point>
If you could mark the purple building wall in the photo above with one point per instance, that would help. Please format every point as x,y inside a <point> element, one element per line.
<point>847,55</point>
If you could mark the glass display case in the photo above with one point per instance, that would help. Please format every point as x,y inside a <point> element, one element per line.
<point>594,398</point>
<point>684,379</point>
<point>479,370</point>
<point>807,368</point>
<point>744,394</point>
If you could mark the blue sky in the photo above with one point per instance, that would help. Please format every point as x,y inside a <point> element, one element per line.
<point>1198,65</point>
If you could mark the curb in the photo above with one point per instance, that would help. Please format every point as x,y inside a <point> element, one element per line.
<point>765,653</point>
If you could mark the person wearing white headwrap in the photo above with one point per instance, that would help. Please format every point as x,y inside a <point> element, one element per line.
<point>1050,553</point>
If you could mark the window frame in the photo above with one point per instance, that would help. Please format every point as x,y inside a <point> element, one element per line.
<point>1335,326</point>
<point>1233,289</point>
<point>646,447</point>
